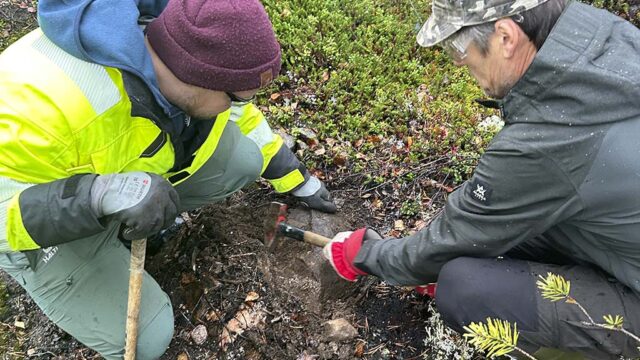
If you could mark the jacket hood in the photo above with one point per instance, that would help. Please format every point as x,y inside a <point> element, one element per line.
<point>107,33</point>
<point>576,68</point>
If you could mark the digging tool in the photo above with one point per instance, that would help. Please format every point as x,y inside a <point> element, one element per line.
<point>138,253</point>
<point>276,228</point>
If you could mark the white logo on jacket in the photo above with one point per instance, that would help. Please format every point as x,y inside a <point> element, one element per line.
<point>49,253</point>
<point>479,193</point>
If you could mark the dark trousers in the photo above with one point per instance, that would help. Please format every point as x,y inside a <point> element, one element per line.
<point>472,289</point>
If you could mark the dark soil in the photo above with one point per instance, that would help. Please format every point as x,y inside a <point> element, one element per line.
<point>210,266</point>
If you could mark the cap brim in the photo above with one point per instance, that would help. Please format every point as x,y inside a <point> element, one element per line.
<point>434,31</point>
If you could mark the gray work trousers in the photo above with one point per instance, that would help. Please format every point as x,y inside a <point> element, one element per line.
<point>473,289</point>
<point>82,285</point>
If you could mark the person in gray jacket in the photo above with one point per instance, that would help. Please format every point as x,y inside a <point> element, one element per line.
<point>557,190</point>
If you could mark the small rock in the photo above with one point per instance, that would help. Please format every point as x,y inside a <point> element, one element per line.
<point>305,356</point>
<point>339,330</point>
<point>30,352</point>
<point>306,133</point>
<point>199,334</point>
<point>289,141</point>
<point>19,324</point>
<point>251,296</point>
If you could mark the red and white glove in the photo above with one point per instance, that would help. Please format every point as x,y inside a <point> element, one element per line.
<point>344,248</point>
<point>429,290</point>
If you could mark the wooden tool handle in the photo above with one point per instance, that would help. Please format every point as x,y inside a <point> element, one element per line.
<point>315,239</point>
<point>138,253</point>
<point>302,235</point>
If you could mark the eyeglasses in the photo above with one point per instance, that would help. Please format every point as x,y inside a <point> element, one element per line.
<point>238,100</point>
<point>456,45</point>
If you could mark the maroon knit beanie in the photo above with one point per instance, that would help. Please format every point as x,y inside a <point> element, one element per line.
<point>225,45</point>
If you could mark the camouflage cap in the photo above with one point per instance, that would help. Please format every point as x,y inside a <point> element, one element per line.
<point>449,16</point>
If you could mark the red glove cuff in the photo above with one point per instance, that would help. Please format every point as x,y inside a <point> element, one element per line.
<point>343,254</point>
<point>429,290</point>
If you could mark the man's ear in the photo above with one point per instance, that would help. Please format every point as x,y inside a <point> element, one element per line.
<point>509,36</point>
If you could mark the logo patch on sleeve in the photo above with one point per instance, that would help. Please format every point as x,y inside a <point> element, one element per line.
<point>480,191</point>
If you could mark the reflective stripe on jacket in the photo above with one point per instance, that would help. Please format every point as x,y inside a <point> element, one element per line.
<point>61,116</point>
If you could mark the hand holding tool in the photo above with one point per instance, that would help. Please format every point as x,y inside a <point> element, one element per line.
<point>146,203</point>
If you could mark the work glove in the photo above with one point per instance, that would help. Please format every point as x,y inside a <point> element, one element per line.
<point>315,195</point>
<point>145,203</point>
<point>343,249</point>
<point>429,290</point>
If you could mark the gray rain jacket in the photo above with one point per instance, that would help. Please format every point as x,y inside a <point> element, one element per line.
<point>565,167</point>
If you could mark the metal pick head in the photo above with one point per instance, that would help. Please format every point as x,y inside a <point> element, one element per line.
<point>276,214</point>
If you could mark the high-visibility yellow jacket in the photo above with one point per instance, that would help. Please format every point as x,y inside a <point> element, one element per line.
<point>61,116</point>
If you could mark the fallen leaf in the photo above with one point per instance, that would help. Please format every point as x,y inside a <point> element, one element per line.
<point>359,352</point>
<point>275,96</point>
<point>376,203</point>
<point>398,225</point>
<point>325,76</point>
<point>183,356</point>
<point>444,187</point>
<point>320,151</point>
<point>19,324</point>
<point>374,139</point>
<point>318,173</point>
<point>340,159</point>
<point>31,352</point>
<point>243,320</point>
<point>213,315</point>
<point>420,224</point>
<point>252,296</point>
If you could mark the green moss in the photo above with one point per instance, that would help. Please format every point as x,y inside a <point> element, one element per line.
<point>620,8</point>
<point>10,31</point>
<point>354,70</point>
<point>361,63</point>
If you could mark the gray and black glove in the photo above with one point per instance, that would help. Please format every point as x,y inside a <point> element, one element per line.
<point>315,195</point>
<point>145,203</point>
